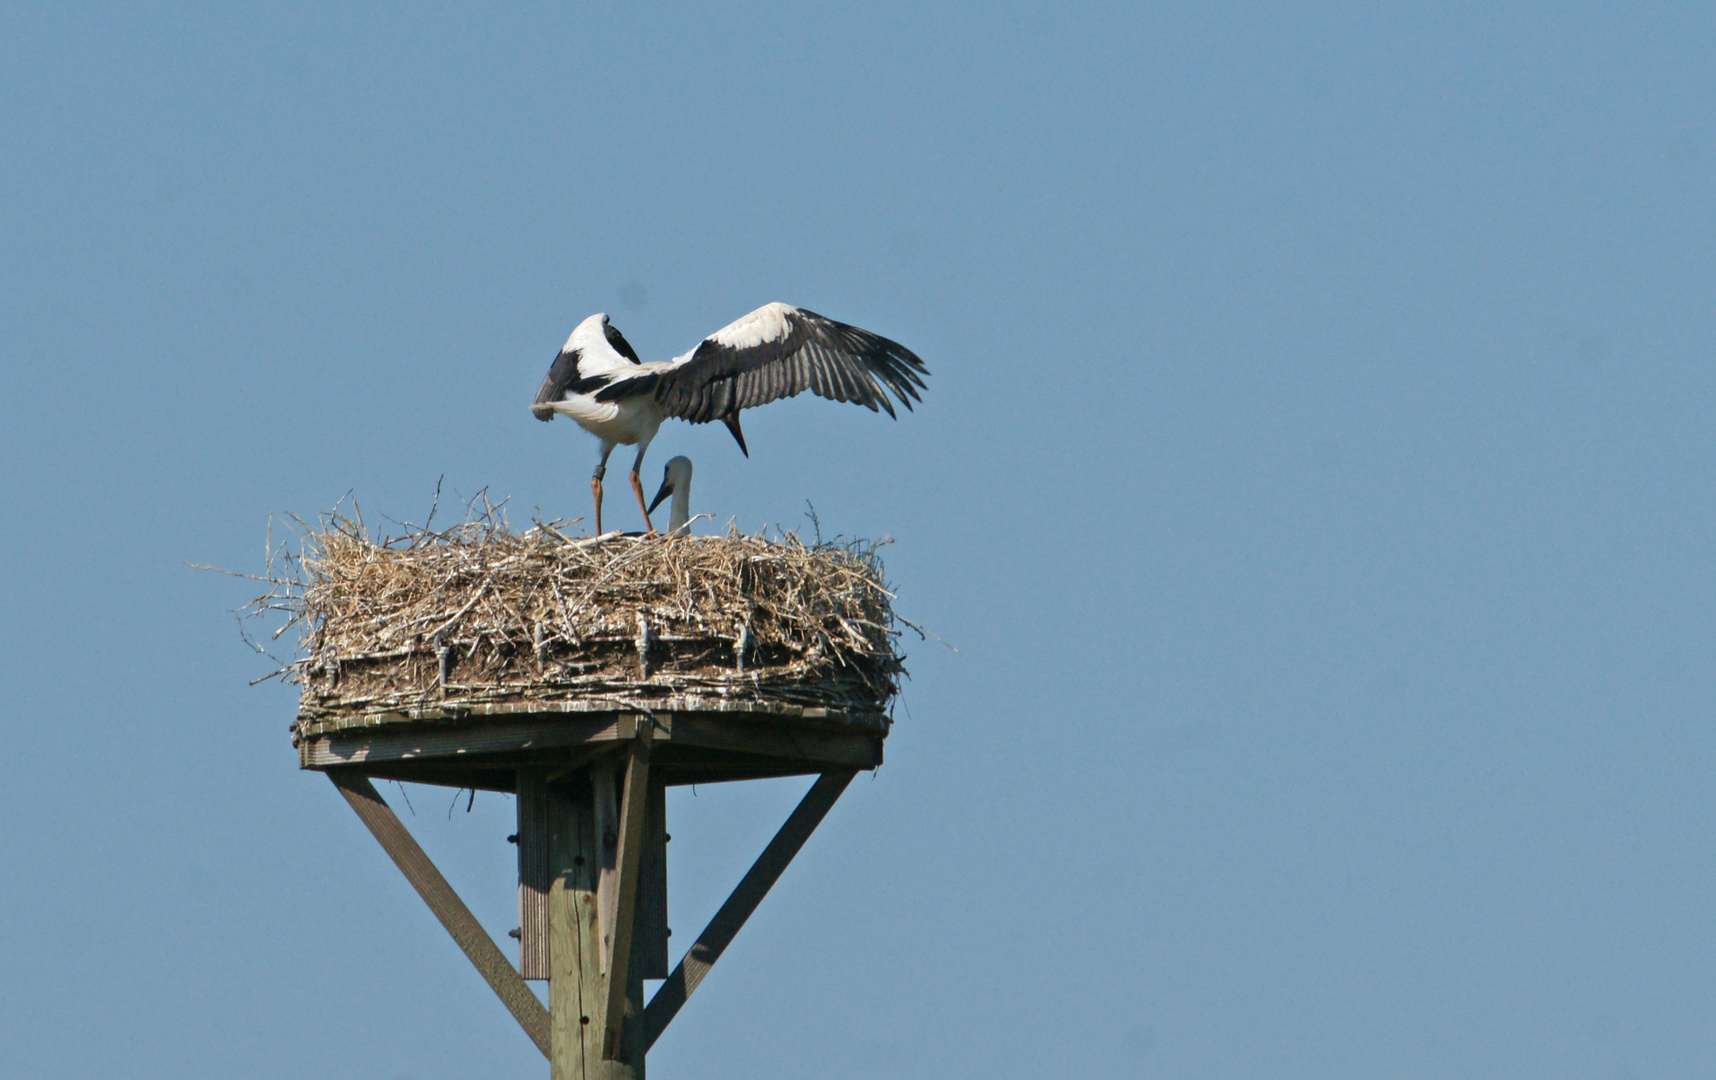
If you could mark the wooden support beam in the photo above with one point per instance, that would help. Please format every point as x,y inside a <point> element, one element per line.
<point>858,748</point>
<point>577,758</point>
<point>617,946</point>
<point>651,930</point>
<point>494,967</point>
<point>750,892</point>
<point>533,872</point>
<point>607,810</point>
<point>487,744</point>
<point>361,746</point>
<point>498,776</point>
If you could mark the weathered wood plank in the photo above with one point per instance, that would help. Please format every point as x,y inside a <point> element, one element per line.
<point>455,712</point>
<point>363,746</point>
<point>858,749</point>
<point>651,932</point>
<point>489,776</point>
<point>678,767</point>
<point>607,808</point>
<point>738,908</point>
<point>403,849</point>
<point>739,733</point>
<point>533,874</point>
<point>576,759</point>
<point>674,766</point>
<point>617,948</point>
<point>576,990</point>
<point>571,936</point>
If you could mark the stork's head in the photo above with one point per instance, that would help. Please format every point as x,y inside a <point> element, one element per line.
<point>676,476</point>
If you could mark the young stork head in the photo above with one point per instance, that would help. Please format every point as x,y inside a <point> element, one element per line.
<point>676,481</point>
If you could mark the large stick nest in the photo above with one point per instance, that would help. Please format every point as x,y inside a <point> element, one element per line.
<point>429,622</point>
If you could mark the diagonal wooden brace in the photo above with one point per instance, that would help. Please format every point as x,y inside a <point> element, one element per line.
<point>619,904</point>
<point>490,962</point>
<point>746,896</point>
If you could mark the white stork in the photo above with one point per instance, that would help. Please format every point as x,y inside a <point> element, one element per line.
<point>776,351</point>
<point>675,481</point>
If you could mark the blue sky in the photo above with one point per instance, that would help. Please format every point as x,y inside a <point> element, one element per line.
<point>1315,477</point>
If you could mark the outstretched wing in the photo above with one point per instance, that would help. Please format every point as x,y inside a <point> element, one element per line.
<point>778,351</point>
<point>592,357</point>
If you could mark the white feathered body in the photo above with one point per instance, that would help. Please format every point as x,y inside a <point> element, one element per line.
<point>629,422</point>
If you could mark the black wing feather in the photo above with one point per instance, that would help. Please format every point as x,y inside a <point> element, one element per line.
<point>562,376</point>
<point>620,344</point>
<point>617,386</point>
<point>830,359</point>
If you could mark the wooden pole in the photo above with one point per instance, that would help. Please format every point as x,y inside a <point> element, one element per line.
<point>577,987</point>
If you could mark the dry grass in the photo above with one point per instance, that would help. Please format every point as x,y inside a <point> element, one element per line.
<point>481,614</point>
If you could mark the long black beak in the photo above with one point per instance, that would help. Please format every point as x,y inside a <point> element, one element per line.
<point>666,490</point>
<point>732,422</point>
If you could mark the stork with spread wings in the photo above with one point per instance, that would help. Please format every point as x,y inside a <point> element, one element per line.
<point>777,351</point>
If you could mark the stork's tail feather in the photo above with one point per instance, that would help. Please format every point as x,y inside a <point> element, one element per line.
<point>732,422</point>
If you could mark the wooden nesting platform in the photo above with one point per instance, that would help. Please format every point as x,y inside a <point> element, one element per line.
<point>587,677</point>
<point>458,658</point>
<point>693,741</point>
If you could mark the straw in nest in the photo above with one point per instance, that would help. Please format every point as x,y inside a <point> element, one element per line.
<point>479,614</point>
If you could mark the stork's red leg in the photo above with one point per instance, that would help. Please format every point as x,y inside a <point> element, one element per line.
<point>596,490</point>
<point>638,487</point>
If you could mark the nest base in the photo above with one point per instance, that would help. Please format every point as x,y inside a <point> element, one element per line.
<point>484,746</point>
